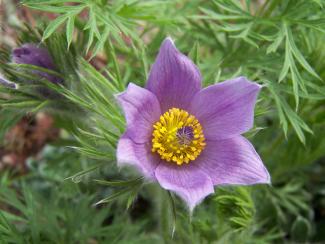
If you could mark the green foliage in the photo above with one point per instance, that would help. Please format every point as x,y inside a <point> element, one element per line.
<point>130,187</point>
<point>44,208</point>
<point>301,229</point>
<point>235,207</point>
<point>276,36</point>
<point>100,19</point>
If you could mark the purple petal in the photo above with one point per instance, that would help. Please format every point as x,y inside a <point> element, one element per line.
<point>226,109</point>
<point>174,78</point>
<point>34,55</point>
<point>187,181</point>
<point>232,161</point>
<point>137,155</point>
<point>142,110</point>
<point>6,83</point>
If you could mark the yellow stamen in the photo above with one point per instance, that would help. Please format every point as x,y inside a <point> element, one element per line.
<point>178,137</point>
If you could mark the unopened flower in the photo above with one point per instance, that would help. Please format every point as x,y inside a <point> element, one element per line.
<point>188,138</point>
<point>38,56</point>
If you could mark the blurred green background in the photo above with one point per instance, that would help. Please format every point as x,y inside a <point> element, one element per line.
<point>57,152</point>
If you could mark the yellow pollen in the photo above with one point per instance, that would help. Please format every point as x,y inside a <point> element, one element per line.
<point>178,137</point>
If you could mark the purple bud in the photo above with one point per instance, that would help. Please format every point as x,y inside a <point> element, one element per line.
<point>38,56</point>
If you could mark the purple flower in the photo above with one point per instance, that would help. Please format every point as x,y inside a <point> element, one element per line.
<point>38,56</point>
<point>188,138</point>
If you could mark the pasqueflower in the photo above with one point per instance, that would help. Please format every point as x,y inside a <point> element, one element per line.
<point>37,56</point>
<point>186,138</point>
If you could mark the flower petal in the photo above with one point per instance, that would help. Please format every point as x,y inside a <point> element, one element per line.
<point>174,78</point>
<point>226,109</point>
<point>142,110</point>
<point>6,83</point>
<point>137,155</point>
<point>187,181</point>
<point>232,161</point>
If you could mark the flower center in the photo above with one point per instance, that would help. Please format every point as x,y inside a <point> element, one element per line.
<point>178,136</point>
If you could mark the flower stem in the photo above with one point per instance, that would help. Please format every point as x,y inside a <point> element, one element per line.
<point>165,215</point>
